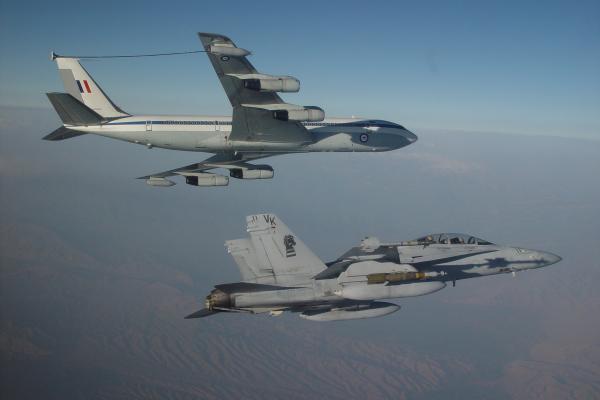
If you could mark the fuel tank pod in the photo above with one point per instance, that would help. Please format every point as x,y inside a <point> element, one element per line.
<point>375,309</point>
<point>361,291</point>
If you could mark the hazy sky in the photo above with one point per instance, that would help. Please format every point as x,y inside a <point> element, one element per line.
<point>97,270</point>
<point>519,67</point>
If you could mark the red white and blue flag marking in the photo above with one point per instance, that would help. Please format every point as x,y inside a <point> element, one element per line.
<point>86,84</point>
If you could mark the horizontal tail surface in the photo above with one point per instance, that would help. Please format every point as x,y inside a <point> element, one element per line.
<point>63,133</point>
<point>73,112</point>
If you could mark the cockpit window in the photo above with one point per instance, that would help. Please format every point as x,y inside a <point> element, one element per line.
<point>452,238</point>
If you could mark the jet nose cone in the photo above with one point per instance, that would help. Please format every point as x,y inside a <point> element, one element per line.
<point>411,137</point>
<point>550,258</point>
<point>401,138</point>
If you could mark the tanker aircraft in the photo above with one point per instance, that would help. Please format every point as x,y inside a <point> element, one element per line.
<point>262,124</point>
<point>281,274</point>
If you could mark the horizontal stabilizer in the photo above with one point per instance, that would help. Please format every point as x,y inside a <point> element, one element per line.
<point>205,312</point>
<point>63,133</point>
<point>73,112</point>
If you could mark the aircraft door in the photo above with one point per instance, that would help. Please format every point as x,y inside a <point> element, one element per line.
<point>148,125</point>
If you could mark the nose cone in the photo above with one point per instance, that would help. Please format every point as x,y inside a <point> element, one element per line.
<point>549,258</point>
<point>408,135</point>
<point>403,137</point>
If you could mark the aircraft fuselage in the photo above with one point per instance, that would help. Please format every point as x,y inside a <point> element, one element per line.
<point>387,275</point>
<point>211,134</point>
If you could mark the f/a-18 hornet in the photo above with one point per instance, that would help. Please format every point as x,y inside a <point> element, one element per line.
<point>281,274</point>
<point>262,124</point>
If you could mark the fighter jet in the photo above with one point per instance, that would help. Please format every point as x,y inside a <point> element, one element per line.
<point>279,273</point>
<point>262,124</point>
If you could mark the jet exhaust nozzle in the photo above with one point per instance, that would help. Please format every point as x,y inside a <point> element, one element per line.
<point>218,299</point>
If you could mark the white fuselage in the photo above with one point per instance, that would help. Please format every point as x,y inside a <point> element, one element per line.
<point>211,134</point>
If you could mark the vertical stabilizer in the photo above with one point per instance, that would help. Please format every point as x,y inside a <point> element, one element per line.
<point>81,86</point>
<point>278,249</point>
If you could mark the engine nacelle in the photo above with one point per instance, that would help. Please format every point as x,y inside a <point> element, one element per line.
<point>359,311</point>
<point>265,172</point>
<point>311,113</point>
<point>206,179</point>
<point>284,84</point>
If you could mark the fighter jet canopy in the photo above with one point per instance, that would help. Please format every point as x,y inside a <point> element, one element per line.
<point>451,238</point>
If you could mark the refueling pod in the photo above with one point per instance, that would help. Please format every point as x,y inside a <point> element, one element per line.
<point>226,49</point>
<point>160,182</point>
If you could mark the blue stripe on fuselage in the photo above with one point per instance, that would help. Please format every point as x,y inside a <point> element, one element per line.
<point>361,124</point>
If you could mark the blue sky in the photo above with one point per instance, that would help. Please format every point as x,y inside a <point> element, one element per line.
<point>516,67</point>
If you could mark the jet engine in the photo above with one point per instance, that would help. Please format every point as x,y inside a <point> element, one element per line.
<point>284,84</point>
<point>205,179</point>
<point>264,172</point>
<point>308,113</point>
<point>218,299</point>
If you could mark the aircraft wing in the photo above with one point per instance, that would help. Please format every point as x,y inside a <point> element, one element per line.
<point>221,160</point>
<point>254,108</point>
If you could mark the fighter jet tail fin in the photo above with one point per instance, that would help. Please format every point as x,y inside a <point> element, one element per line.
<point>244,255</point>
<point>279,252</point>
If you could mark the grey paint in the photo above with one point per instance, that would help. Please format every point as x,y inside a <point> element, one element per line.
<point>274,257</point>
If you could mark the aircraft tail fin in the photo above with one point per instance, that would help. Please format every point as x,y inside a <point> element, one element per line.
<point>279,252</point>
<point>244,255</point>
<point>82,87</point>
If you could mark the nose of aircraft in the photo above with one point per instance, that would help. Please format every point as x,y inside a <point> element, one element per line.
<point>549,258</point>
<point>411,137</point>
<point>405,137</point>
